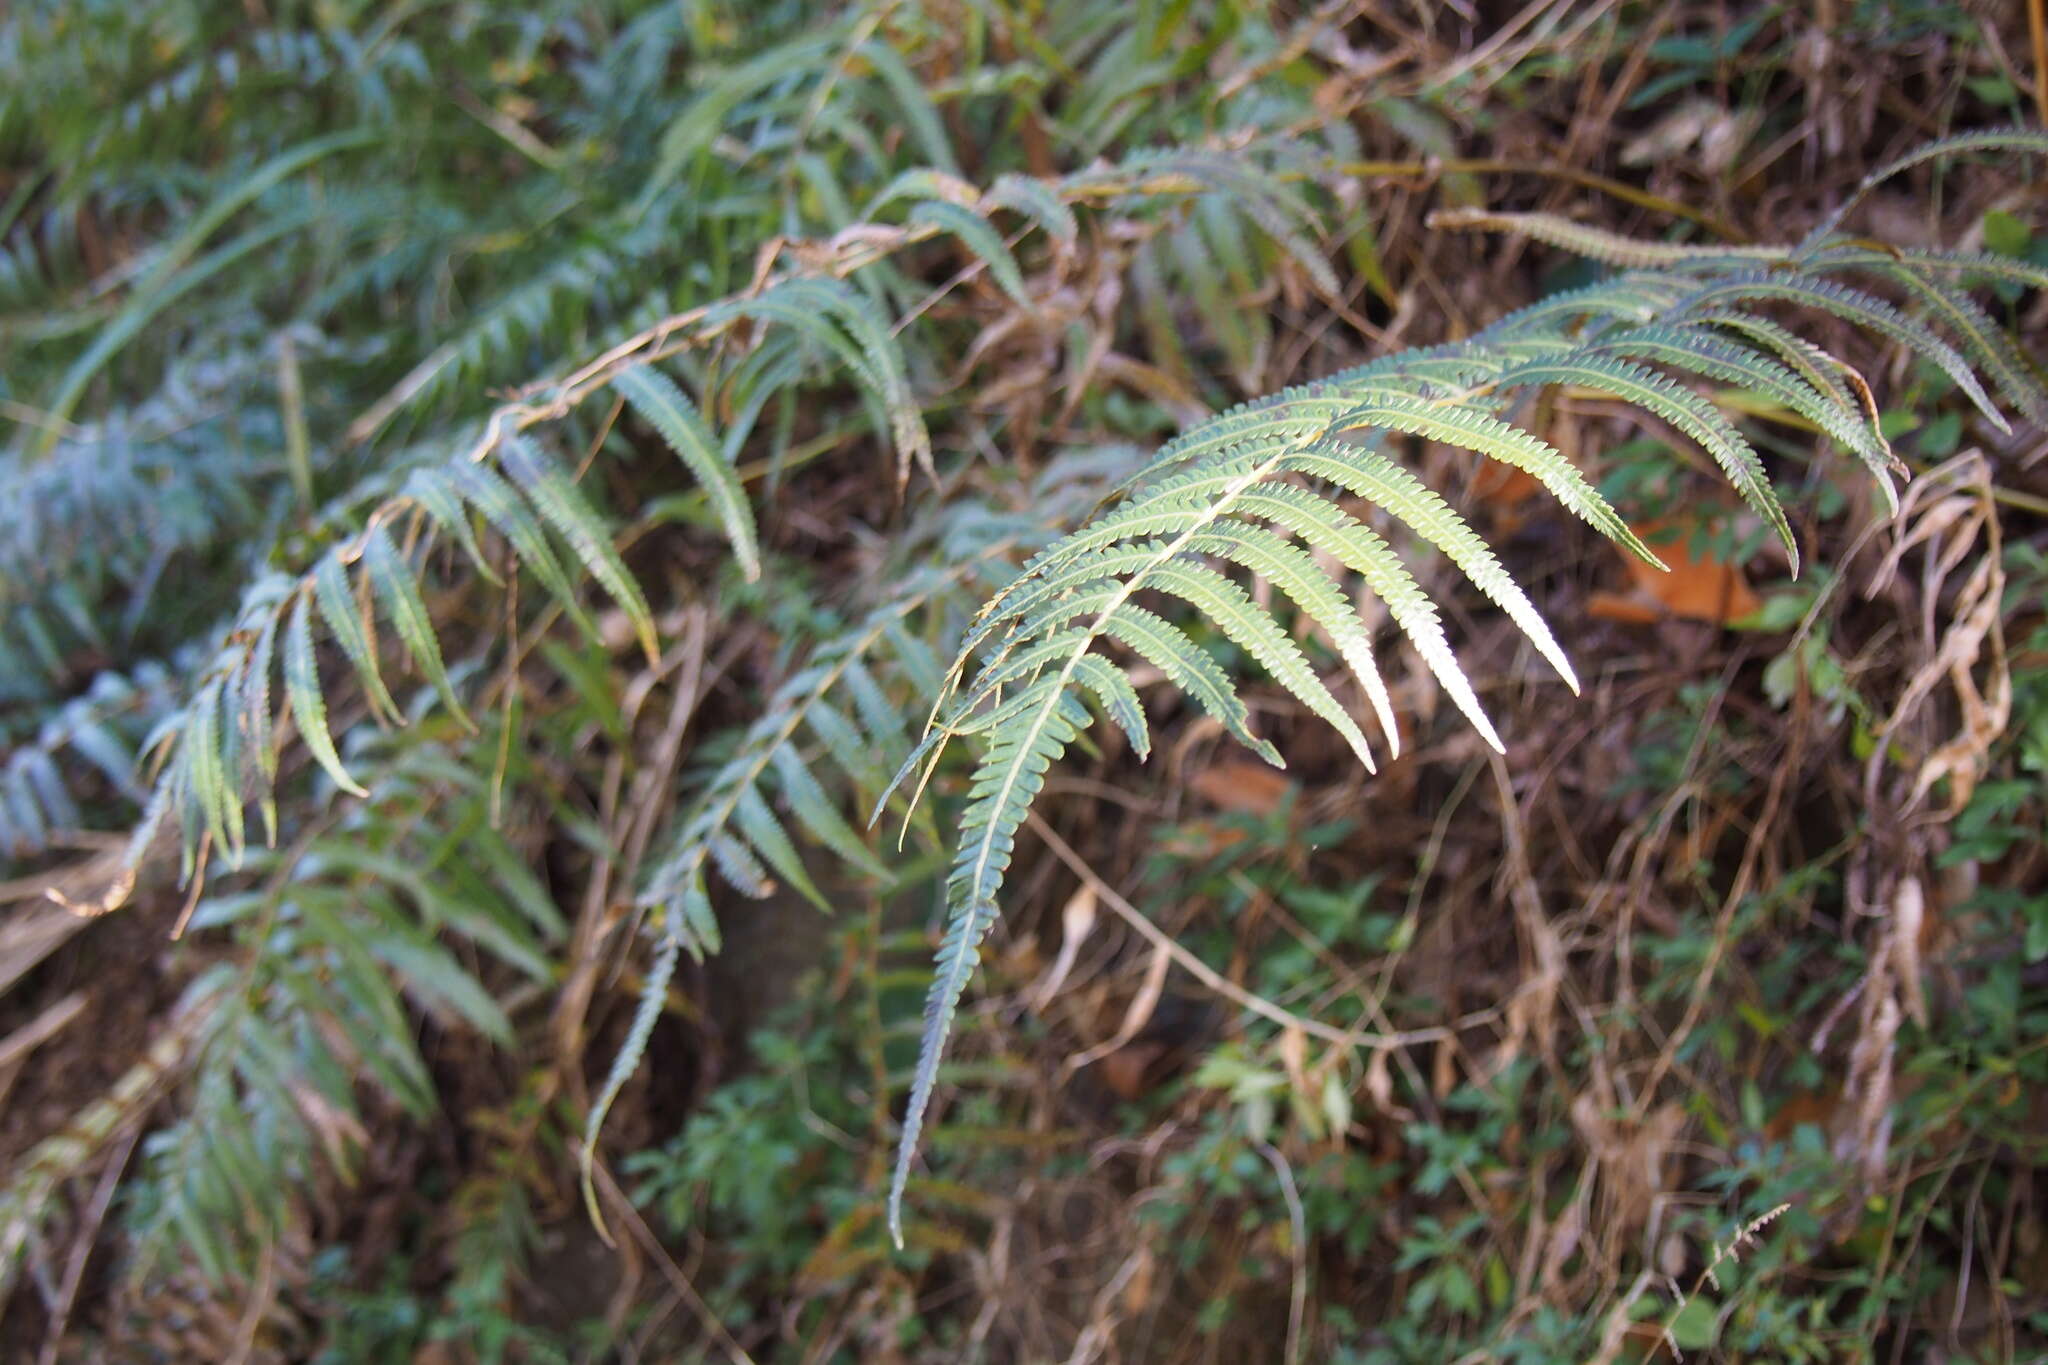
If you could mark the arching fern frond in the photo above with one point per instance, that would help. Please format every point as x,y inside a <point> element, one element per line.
<point>2027,141</point>
<point>1234,490</point>
<point>224,744</point>
<point>982,240</point>
<point>845,324</point>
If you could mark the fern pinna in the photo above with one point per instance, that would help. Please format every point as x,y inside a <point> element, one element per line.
<point>1257,488</point>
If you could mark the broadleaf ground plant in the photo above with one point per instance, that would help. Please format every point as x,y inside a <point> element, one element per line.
<point>922,384</point>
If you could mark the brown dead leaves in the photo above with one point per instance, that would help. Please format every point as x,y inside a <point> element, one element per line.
<point>1699,586</point>
<point>1950,515</point>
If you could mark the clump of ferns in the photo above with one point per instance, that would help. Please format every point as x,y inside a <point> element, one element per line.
<point>121,504</point>
<point>81,750</point>
<point>221,750</point>
<point>407,902</point>
<point>1244,491</point>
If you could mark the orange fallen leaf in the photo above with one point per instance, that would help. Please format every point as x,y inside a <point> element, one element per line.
<point>1626,608</point>
<point>1202,839</point>
<point>1252,788</point>
<point>1816,1107</point>
<point>1504,488</point>
<point>1699,587</point>
<point>1504,485</point>
<point>1130,1071</point>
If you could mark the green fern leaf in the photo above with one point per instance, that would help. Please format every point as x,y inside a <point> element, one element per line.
<point>344,615</point>
<point>256,708</point>
<point>738,865</point>
<point>2032,141</point>
<point>1296,576</point>
<point>1829,409</point>
<point>653,996</point>
<point>392,580</point>
<point>1597,244</point>
<point>556,498</point>
<point>818,816</point>
<point>438,495</point>
<point>206,775</point>
<point>1036,200</point>
<point>1118,699</point>
<point>860,340</point>
<point>1983,339</point>
<point>979,238</point>
<point>302,694</point>
<point>1861,308</point>
<point>501,507</point>
<point>753,818</point>
<point>1473,429</point>
<point>1008,779</point>
<point>1684,409</point>
<point>923,183</point>
<point>657,399</point>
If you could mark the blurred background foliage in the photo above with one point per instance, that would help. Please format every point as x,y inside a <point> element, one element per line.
<point>1709,1020</point>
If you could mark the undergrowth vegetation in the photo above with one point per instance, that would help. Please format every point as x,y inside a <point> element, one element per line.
<point>552,556</point>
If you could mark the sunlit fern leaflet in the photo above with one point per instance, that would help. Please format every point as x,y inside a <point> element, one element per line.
<point>1257,487</point>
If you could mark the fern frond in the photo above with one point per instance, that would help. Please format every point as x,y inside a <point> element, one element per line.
<point>1843,386</point>
<point>303,695</point>
<point>1983,340</point>
<point>1475,429</point>
<point>2028,141</point>
<point>554,494</point>
<point>1190,668</point>
<point>1036,200</point>
<point>978,237</point>
<point>1598,244</point>
<point>1006,782</point>
<point>924,183</point>
<point>845,323</point>
<point>482,488</point>
<point>392,581</point>
<point>1208,497</point>
<point>436,493</point>
<point>653,995</point>
<point>1268,201</point>
<point>340,942</point>
<point>1827,408</point>
<point>345,618</point>
<point>731,827</point>
<point>656,398</point>
<point>1867,311</point>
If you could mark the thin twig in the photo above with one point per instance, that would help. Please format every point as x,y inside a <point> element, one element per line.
<point>82,1243</point>
<point>1297,1249</point>
<point>1208,976</point>
<point>623,1209</point>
